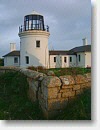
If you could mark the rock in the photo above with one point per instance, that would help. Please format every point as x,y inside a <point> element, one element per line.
<point>67,80</point>
<point>51,73</point>
<point>32,74</point>
<point>68,94</point>
<point>65,90</point>
<point>51,81</point>
<point>88,76</point>
<point>80,79</point>
<point>76,87</point>
<point>52,93</point>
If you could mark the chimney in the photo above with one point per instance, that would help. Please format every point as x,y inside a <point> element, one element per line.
<point>12,47</point>
<point>85,42</point>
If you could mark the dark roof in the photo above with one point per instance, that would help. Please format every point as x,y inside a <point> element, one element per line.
<point>73,51</point>
<point>13,53</point>
<point>58,52</point>
<point>86,48</point>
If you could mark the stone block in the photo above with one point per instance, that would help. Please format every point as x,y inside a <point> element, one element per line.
<point>40,96</point>
<point>67,86</point>
<point>88,84</point>
<point>32,74</point>
<point>67,80</point>
<point>33,83</point>
<point>76,87</point>
<point>65,90</point>
<point>32,94</point>
<point>51,81</point>
<point>80,79</point>
<point>51,73</point>
<point>59,95</point>
<point>44,90</point>
<point>49,92</point>
<point>43,103</point>
<point>52,92</point>
<point>85,85</point>
<point>88,76</point>
<point>68,94</point>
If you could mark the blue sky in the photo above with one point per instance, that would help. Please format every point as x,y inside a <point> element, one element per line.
<point>69,21</point>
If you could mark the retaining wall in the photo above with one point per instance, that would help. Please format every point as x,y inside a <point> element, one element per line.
<point>53,93</point>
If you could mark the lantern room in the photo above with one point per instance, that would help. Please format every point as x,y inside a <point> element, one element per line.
<point>33,21</point>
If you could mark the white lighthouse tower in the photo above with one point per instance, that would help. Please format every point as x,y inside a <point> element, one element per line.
<point>34,41</point>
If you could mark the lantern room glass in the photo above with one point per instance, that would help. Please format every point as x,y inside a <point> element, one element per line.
<point>33,22</point>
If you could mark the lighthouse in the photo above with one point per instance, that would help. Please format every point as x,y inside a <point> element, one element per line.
<point>34,37</point>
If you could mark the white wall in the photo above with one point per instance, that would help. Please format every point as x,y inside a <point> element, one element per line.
<point>9,61</point>
<point>59,61</point>
<point>87,59</point>
<point>52,63</point>
<point>64,65</point>
<point>73,63</point>
<point>81,63</point>
<point>37,56</point>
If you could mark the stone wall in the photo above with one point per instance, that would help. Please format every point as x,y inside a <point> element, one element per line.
<point>53,93</point>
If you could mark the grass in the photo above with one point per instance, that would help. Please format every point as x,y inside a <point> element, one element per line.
<point>15,105</point>
<point>62,71</point>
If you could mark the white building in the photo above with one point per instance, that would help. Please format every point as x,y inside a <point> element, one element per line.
<point>34,48</point>
<point>12,58</point>
<point>81,56</point>
<point>76,57</point>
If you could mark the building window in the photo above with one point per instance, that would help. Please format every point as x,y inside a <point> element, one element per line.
<point>65,59</point>
<point>15,59</point>
<point>79,58</point>
<point>27,59</point>
<point>70,59</point>
<point>54,59</point>
<point>37,43</point>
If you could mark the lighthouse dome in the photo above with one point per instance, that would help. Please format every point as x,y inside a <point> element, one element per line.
<point>34,13</point>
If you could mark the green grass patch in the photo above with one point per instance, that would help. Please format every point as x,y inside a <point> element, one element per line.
<point>62,71</point>
<point>14,103</point>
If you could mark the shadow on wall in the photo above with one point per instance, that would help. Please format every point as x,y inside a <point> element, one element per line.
<point>33,61</point>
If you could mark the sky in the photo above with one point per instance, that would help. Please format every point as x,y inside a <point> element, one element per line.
<point>69,22</point>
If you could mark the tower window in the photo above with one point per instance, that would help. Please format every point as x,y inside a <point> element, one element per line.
<point>54,59</point>
<point>37,43</point>
<point>15,59</point>
<point>79,57</point>
<point>65,59</point>
<point>70,59</point>
<point>27,59</point>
